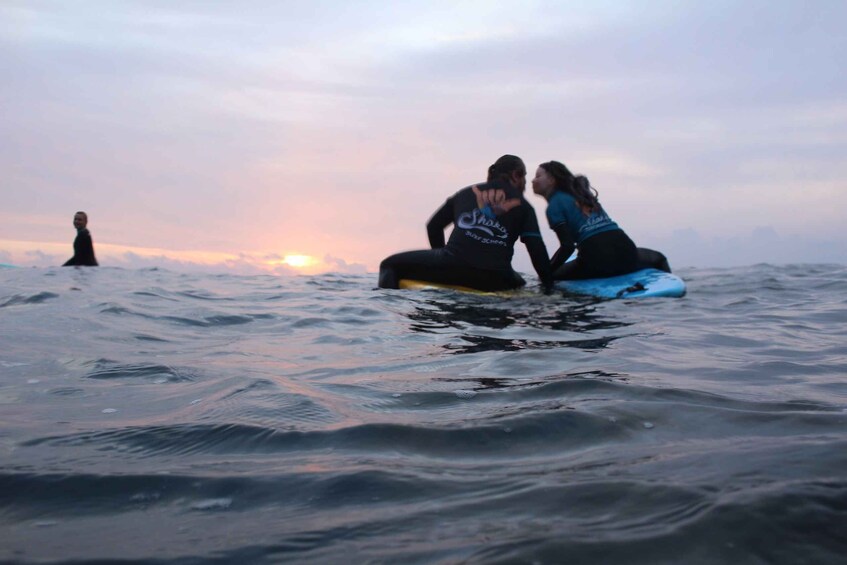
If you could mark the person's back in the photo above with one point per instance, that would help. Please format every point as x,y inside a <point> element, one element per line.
<point>481,238</point>
<point>563,209</point>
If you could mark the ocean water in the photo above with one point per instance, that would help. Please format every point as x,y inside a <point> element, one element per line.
<point>150,416</point>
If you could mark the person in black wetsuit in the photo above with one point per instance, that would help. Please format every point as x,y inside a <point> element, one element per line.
<point>83,246</point>
<point>580,222</point>
<point>488,219</point>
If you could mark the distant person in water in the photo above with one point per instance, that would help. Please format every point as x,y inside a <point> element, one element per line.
<point>580,222</point>
<point>488,219</point>
<point>83,246</point>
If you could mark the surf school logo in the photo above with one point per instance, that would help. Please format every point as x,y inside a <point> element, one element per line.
<point>596,221</point>
<point>476,220</point>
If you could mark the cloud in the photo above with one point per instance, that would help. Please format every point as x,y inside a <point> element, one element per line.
<point>341,266</point>
<point>763,244</point>
<point>240,265</point>
<point>38,257</point>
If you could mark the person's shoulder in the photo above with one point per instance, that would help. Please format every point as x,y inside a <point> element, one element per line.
<point>561,198</point>
<point>84,232</point>
<point>479,185</point>
<point>467,192</point>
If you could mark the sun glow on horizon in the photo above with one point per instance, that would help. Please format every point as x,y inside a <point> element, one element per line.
<point>47,253</point>
<point>297,261</point>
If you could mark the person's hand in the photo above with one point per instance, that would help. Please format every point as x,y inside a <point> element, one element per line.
<point>494,199</point>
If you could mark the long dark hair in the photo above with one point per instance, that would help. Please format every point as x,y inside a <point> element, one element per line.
<point>503,168</point>
<point>575,185</point>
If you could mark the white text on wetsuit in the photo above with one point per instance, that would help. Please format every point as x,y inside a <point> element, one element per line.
<point>476,220</point>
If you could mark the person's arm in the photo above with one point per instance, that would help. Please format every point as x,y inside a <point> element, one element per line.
<point>442,218</point>
<point>74,260</point>
<point>531,237</point>
<point>540,260</point>
<point>566,247</point>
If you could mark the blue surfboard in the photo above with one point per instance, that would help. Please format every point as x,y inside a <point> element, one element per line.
<point>640,284</point>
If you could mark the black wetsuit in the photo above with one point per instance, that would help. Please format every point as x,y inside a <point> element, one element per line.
<point>479,252</point>
<point>83,250</point>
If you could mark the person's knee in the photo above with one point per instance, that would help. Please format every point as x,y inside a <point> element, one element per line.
<point>516,280</point>
<point>661,262</point>
<point>648,258</point>
<point>387,276</point>
<point>566,272</point>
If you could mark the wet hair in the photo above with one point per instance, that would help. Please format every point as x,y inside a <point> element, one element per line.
<point>503,168</point>
<point>575,185</point>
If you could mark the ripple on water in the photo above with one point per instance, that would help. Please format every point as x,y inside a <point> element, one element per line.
<point>151,372</point>
<point>209,321</point>
<point>23,299</point>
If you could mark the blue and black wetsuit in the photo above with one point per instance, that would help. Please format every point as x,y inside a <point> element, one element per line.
<point>479,252</point>
<point>83,250</point>
<point>604,248</point>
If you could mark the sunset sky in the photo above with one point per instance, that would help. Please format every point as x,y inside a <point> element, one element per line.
<point>227,136</point>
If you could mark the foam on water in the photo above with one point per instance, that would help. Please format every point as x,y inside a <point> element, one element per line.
<point>151,415</point>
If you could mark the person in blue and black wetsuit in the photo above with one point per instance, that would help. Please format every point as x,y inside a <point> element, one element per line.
<point>580,222</point>
<point>488,219</point>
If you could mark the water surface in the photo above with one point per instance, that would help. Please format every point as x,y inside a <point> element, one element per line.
<point>152,416</point>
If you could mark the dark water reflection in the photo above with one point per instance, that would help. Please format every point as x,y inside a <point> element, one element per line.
<point>483,383</point>
<point>465,316</point>
<point>478,343</point>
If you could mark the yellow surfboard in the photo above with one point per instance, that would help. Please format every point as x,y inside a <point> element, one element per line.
<point>411,284</point>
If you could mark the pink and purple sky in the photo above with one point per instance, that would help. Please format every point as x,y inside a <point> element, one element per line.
<point>275,136</point>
